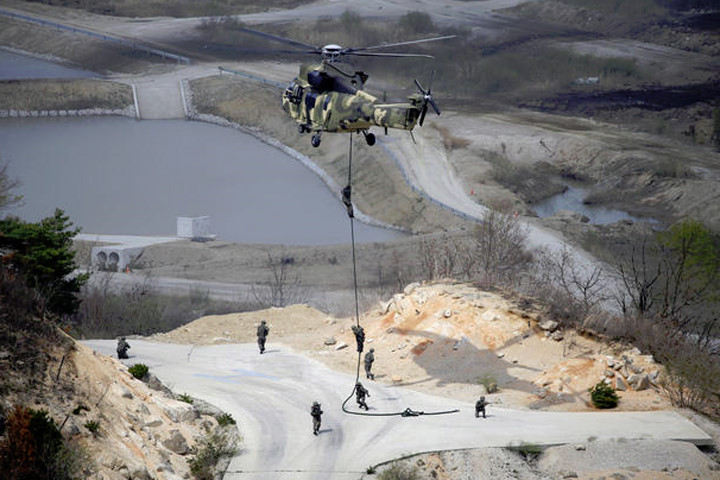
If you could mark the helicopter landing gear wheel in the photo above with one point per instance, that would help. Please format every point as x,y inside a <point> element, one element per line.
<point>301,128</point>
<point>315,140</point>
<point>370,138</point>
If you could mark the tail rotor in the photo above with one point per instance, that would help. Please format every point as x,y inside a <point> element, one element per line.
<point>427,99</point>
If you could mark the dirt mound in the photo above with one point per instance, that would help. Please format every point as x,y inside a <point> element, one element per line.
<point>454,340</point>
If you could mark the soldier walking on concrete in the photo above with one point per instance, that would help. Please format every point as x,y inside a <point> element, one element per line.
<point>369,359</point>
<point>480,407</point>
<point>359,337</point>
<point>360,393</point>
<point>316,413</point>
<point>122,348</point>
<point>262,332</point>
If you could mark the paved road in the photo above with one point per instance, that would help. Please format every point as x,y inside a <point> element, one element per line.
<point>270,397</point>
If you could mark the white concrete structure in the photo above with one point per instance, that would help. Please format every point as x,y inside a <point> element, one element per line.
<point>194,228</point>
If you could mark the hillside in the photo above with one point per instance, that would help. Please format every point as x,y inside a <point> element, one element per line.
<point>449,340</point>
<point>117,426</point>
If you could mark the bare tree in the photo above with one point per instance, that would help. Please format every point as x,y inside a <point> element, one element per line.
<point>283,286</point>
<point>499,247</point>
<point>576,291</point>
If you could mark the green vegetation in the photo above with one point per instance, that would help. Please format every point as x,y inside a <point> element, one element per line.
<point>400,472</point>
<point>529,451</point>
<point>33,448</point>
<point>139,370</point>
<point>41,254</point>
<point>209,450</point>
<point>489,381</point>
<point>603,396</point>
<point>225,419</point>
<point>93,426</point>
<point>186,398</point>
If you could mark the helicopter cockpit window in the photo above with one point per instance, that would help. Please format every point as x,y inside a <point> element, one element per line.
<point>319,80</point>
<point>343,86</point>
<point>294,93</point>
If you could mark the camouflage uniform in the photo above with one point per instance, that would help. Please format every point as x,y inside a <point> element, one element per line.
<point>480,407</point>
<point>316,413</point>
<point>262,332</point>
<point>359,337</point>
<point>122,348</point>
<point>369,359</point>
<point>360,393</point>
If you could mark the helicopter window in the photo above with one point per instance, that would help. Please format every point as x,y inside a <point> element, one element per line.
<point>320,80</point>
<point>326,102</point>
<point>342,86</point>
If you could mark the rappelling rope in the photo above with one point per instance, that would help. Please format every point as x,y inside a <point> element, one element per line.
<point>347,200</point>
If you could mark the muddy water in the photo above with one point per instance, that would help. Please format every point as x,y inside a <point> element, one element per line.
<point>121,176</point>
<point>572,199</point>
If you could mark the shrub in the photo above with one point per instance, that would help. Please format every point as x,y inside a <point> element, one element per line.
<point>529,451</point>
<point>603,396</point>
<point>185,398</point>
<point>34,448</point>
<point>400,472</point>
<point>93,426</point>
<point>489,381</point>
<point>225,419</point>
<point>207,452</point>
<point>139,370</point>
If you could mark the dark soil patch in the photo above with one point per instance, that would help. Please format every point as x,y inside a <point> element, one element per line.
<point>646,98</point>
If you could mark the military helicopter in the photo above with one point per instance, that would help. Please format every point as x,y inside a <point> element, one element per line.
<point>325,98</point>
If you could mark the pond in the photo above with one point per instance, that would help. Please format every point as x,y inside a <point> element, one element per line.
<point>116,175</point>
<point>573,199</point>
<point>14,66</point>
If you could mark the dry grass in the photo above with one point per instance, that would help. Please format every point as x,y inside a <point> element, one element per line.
<point>53,94</point>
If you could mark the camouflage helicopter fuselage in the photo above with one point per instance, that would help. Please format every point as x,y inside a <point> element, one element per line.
<point>321,100</point>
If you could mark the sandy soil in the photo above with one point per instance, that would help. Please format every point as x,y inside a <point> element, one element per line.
<point>444,339</point>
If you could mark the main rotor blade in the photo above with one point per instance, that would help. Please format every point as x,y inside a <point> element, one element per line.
<point>422,90</point>
<point>277,38</point>
<point>373,54</point>
<point>411,42</point>
<point>434,105</point>
<point>259,51</point>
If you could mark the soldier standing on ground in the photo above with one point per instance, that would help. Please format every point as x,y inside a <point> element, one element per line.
<point>316,413</point>
<point>359,337</point>
<point>480,407</point>
<point>262,332</point>
<point>122,348</point>
<point>360,393</point>
<point>369,359</point>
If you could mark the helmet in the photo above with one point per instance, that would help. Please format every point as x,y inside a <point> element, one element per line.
<point>262,321</point>
<point>372,349</point>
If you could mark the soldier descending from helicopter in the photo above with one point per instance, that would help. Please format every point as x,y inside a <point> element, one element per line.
<point>360,393</point>
<point>359,337</point>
